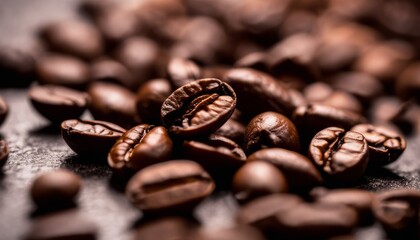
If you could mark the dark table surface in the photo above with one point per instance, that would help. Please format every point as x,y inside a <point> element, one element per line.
<point>37,147</point>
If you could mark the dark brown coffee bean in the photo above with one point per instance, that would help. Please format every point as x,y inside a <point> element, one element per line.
<point>150,97</point>
<point>383,109</point>
<point>334,56</point>
<point>300,173</point>
<point>233,130</point>
<point>54,189</point>
<point>70,224</point>
<point>174,186</point>
<point>385,144</point>
<point>256,179</point>
<point>73,37</point>
<point>242,232</point>
<point>215,71</point>
<point>200,107</point>
<point>165,228</point>
<point>296,98</point>
<point>4,152</point>
<point>93,138</point>
<point>258,92</point>
<point>317,91</point>
<point>408,83</point>
<point>139,147</point>
<point>16,67</point>
<point>341,156</point>
<point>271,129</point>
<point>108,70</point>
<point>254,60</point>
<point>182,71</point>
<point>298,21</point>
<point>58,103</point>
<point>62,70</point>
<point>398,212</point>
<point>113,103</point>
<point>4,110</point>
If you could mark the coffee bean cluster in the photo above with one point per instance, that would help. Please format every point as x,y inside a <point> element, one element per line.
<point>287,104</point>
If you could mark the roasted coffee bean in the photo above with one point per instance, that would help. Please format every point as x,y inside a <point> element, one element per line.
<point>268,130</point>
<point>383,109</point>
<point>62,70</point>
<point>296,98</point>
<point>298,21</point>
<point>73,37</point>
<point>165,228</point>
<point>334,56</point>
<point>108,70</point>
<point>233,130</point>
<point>254,60</point>
<point>57,103</point>
<point>258,92</point>
<point>16,67</point>
<point>150,97</point>
<point>113,103</point>
<point>341,156</point>
<point>299,171</point>
<point>55,189</point>
<point>215,71</point>
<point>139,147</point>
<point>385,144</point>
<point>317,91</point>
<point>408,83</point>
<point>256,179</point>
<point>4,110</point>
<point>4,152</point>
<point>92,138</point>
<point>70,224</point>
<point>182,71</point>
<point>174,186</point>
<point>199,107</point>
<point>398,212</point>
<point>242,232</point>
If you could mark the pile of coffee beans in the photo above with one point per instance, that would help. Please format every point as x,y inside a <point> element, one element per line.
<point>287,104</point>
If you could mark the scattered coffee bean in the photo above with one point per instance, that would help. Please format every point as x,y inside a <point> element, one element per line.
<point>242,232</point>
<point>4,152</point>
<point>174,186</point>
<point>4,110</point>
<point>108,70</point>
<point>199,107</point>
<point>91,138</point>
<point>182,71</point>
<point>16,67</point>
<point>233,130</point>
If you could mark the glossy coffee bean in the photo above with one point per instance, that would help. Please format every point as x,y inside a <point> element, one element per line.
<point>385,144</point>
<point>233,130</point>
<point>166,228</point>
<point>55,189</point>
<point>258,92</point>
<point>256,179</point>
<point>108,70</point>
<point>73,37</point>
<point>300,173</point>
<point>139,147</point>
<point>408,83</point>
<point>341,156</point>
<point>182,71</point>
<point>62,70</point>
<point>243,232</point>
<point>4,110</point>
<point>4,152</point>
<point>269,130</point>
<point>199,107</point>
<point>150,97</point>
<point>174,186</point>
<point>16,67</point>
<point>57,103</point>
<point>92,138</point>
<point>113,103</point>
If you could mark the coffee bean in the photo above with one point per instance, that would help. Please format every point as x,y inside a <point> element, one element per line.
<point>165,228</point>
<point>139,147</point>
<point>298,21</point>
<point>258,92</point>
<point>296,98</point>
<point>4,110</point>
<point>108,70</point>
<point>385,144</point>
<point>215,71</point>
<point>55,189</point>
<point>182,71</point>
<point>57,103</point>
<point>150,97</point>
<point>254,60</point>
<point>199,107</point>
<point>4,152</point>
<point>16,67</point>
<point>268,130</point>
<point>317,91</point>
<point>92,138</point>
<point>408,83</point>
<point>233,130</point>
<point>70,224</point>
<point>113,103</point>
<point>398,212</point>
<point>73,37</point>
<point>341,156</point>
<point>256,179</point>
<point>242,232</point>
<point>62,70</point>
<point>174,186</point>
<point>335,56</point>
<point>300,173</point>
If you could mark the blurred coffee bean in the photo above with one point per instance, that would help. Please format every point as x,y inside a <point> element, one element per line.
<point>268,130</point>
<point>113,103</point>
<point>199,107</point>
<point>62,70</point>
<point>182,71</point>
<point>91,138</point>
<point>171,187</point>
<point>254,60</point>
<point>353,10</point>
<point>139,147</point>
<point>318,91</point>
<point>407,117</point>
<point>296,98</point>
<point>4,152</point>
<point>408,83</point>
<point>55,189</point>
<point>298,21</point>
<point>385,144</point>
<point>73,37</point>
<point>332,57</point>
<point>299,171</point>
<point>57,103</point>
<point>256,179</point>
<point>233,130</point>
<point>242,232</point>
<point>4,110</point>
<point>384,108</point>
<point>16,67</point>
<point>215,71</point>
<point>166,228</point>
<point>341,156</point>
<point>108,70</point>
<point>150,97</point>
